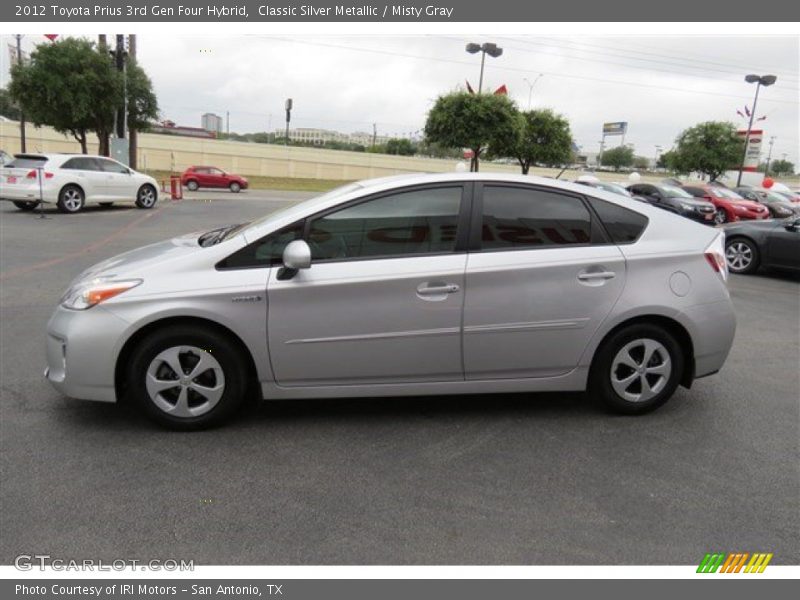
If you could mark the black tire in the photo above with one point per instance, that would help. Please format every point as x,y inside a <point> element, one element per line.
<point>192,185</point>
<point>71,199</point>
<point>146,197</point>
<point>225,352</point>
<point>603,369</point>
<point>106,203</point>
<point>742,256</point>
<point>720,216</point>
<point>235,187</point>
<point>24,205</point>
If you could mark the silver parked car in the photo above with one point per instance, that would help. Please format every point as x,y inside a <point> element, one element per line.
<point>413,285</point>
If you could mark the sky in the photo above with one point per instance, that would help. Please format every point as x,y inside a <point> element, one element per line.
<point>658,84</point>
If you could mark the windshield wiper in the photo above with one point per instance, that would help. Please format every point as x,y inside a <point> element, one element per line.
<point>215,236</point>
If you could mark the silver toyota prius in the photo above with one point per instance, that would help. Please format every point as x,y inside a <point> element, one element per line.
<point>453,283</point>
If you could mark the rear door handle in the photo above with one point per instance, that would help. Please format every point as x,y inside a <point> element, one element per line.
<point>437,289</point>
<point>596,275</point>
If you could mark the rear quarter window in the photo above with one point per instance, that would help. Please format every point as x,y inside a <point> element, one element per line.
<point>623,225</point>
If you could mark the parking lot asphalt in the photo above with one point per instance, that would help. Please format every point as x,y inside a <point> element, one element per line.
<point>491,479</point>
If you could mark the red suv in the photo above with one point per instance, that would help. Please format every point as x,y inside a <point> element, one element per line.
<point>730,205</point>
<point>212,177</point>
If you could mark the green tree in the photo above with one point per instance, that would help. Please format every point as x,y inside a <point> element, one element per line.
<point>665,159</point>
<point>621,156</point>
<point>401,146</point>
<point>641,162</point>
<point>69,86</point>
<point>474,121</point>
<point>781,167</point>
<point>8,108</point>
<point>543,138</point>
<point>710,148</point>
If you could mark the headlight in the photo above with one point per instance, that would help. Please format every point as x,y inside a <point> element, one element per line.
<point>86,294</point>
<point>688,206</point>
<point>740,209</point>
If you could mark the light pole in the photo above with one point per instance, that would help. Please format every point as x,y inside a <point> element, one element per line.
<point>769,155</point>
<point>759,80</point>
<point>489,48</point>
<point>22,142</point>
<point>530,87</point>
<point>658,153</point>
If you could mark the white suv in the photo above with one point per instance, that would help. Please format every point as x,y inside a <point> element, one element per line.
<point>72,180</point>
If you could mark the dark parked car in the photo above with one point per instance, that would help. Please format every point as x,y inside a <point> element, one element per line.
<point>771,243</point>
<point>674,199</point>
<point>779,206</point>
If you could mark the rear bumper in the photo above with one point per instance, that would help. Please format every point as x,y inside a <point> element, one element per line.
<point>712,328</point>
<point>26,193</point>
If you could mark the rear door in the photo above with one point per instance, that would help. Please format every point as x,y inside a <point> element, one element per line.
<point>541,278</point>
<point>87,172</point>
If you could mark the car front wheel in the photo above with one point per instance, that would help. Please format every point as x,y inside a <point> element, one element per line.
<point>235,187</point>
<point>741,255</point>
<point>637,369</point>
<point>720,216</point>
<point>187,378</point>
<point>146,196</point>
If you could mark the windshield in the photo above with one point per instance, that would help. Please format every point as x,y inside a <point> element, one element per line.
<point>675,192</point>
<point>339,191</point>
<point>726,193</point>
<point>613,187</point>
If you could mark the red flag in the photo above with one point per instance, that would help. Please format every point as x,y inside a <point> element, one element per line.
<point>469,88</point>
<point>501,91</point>
<point>747,110</point>
<point>761,118</point>
<point>51,36</point>
<point>740,113</point>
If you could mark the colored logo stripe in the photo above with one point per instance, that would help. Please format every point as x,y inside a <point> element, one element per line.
<point>734,562</point>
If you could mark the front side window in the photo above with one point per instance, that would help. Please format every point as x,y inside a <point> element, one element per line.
<point>110,166</point>
<point>405,223</point>
<point>526,218</point>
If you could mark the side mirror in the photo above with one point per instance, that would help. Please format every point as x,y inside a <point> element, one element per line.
<point>296,256</point>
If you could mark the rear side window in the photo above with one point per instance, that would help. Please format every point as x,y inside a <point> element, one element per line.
<point>526,218</point>
<point>27,162</point>
<point>81,163</point>
<point>623,225</point>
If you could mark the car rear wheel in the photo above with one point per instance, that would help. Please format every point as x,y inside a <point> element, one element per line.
<point>192,185</point>
<point>26,206</point>
<point>637,369</point>
<point>235,187</point>
<point>146,197</point>
<point>187,378</point>
<point>720,216</point>
<point>741,255</point>
<point>70,199</point>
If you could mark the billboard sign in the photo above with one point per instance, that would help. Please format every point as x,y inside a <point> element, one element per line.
<point>753,156</point>
<point>618,128</point>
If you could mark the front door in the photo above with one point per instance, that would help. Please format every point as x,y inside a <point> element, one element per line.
<point>382,300</point>
<point>538,287</point>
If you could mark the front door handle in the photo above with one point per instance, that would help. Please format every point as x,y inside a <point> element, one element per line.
<point>594,276</point>
<point>436,289</point>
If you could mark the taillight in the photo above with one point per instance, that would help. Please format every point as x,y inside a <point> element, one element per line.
<point>32,174</point>
<point>715,256</point>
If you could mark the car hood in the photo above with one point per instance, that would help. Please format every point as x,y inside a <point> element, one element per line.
<point>760,225</point>
<point>134,262</point>
<point>693,201</point>
<point>748,204</point>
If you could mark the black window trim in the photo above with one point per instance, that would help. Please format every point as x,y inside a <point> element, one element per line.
<point>462,225</point>
<point>476,225</point>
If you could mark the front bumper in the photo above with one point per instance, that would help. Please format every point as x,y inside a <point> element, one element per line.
<point>81,350</point>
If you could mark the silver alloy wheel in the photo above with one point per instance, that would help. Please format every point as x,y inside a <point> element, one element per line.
<point>720,216</point>
<point>739,256</point>
<point>71,199</point>
<point>185,381</point>
<point>235,187</point>
<point>147,196</point>
<point>640,370</point>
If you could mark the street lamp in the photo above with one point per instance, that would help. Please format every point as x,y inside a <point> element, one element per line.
<point>759,80</point>
<point>489,48</point>
<point>530,87</point>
